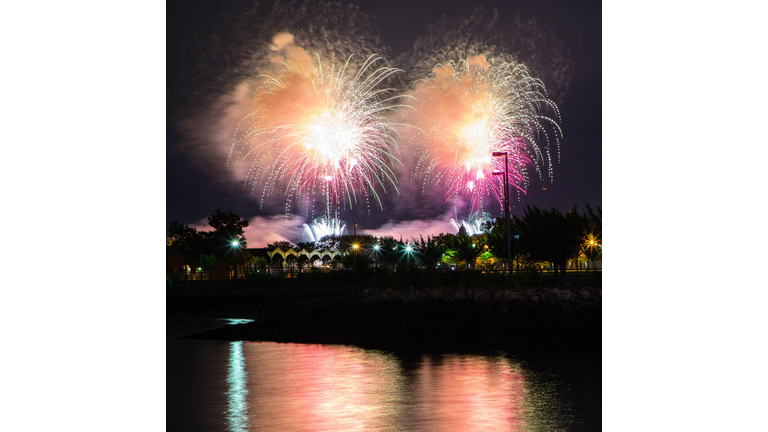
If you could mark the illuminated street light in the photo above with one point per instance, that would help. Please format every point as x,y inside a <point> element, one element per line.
<point>408,249</point>
<point>506,205</point>
<point>235,244</point>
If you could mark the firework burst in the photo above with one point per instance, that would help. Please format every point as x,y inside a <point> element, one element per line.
<point>465,111</point>
<point>323,226</point>
<point>315,131</point>
<point>475,224</point>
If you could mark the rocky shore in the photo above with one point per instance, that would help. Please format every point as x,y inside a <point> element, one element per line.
<point>444,319</point>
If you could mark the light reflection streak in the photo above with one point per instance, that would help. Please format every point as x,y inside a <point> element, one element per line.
<point>469,393</point>
<point>237,413</point>
<point>300,387</point>
<point>324,388</point>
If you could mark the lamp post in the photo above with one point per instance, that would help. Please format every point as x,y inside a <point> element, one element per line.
<point>376,254</point>
<point>356,244</point>
<point>408,250</point>
<point>506,205</point>
<point>235,244</point>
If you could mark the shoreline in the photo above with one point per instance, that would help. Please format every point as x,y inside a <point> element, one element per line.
<point>405,319</point>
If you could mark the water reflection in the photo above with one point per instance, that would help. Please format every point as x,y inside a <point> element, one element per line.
<point>469,393</point>
<point>297,387</point>
<point>323,388</point>
<point>237,414</point>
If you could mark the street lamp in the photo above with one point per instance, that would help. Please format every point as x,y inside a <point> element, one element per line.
<point>506,205</point>
<point>408,249</point>
<point>376,254</point>
<point>235,244</point>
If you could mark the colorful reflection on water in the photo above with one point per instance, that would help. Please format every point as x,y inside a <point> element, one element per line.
<point>299,387</point>
<point>469,393</point>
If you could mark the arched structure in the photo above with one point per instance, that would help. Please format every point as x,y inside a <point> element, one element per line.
<point>321,254</point>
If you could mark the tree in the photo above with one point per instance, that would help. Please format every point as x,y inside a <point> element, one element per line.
<point>309,246</point>
<point>467,248</point>
<point>593,227</point>
<point>301,261</point>
<point>227,227</point>
<point>283,245</point>
<point>357,261</point>
<point>329,242</point>
<point>390,251</point>
<point>260,263</point>
<point>207,261</point>
<point>549,235</point>
<point>430,251</point>
<point>186,240</point>
<point>496,239</point>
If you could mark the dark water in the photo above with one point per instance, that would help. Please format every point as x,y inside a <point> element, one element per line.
<point>267,386</point>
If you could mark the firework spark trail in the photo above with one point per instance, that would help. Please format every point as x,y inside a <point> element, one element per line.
<point>466,110</point>
<point>475,224</point>
<point>323,226</point>
<point>319,130</point>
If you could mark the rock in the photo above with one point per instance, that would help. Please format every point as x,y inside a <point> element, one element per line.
<point>460,295</point>
<point>550,296</point>
<point>584,294</point>
<point>535,299</point>
<point>437,294</point>
<point>565,295</point>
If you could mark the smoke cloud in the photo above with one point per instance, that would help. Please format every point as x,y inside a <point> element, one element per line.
<point>415,228</point>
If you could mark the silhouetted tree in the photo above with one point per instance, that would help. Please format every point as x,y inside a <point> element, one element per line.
<point>466,248</point>
<point>390,251</point>
<point>227,227</point>
<point>593,228</point>
<point>429,252</point>
<point>549,235</point>
<point>186,240</point>
<point>283,245</point>
<point>305,245</point>
<point>496,239</point>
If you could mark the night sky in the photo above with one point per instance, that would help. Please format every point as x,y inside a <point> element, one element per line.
<point>208,48</point>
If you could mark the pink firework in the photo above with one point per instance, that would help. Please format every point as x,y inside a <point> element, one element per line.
<point>468,110</point>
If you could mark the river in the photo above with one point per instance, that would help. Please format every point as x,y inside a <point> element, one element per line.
<point>268,386</point>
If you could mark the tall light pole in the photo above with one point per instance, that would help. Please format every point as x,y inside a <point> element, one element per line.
<point>506,205</point>
<point>356,243</point>
<point>236,245</point>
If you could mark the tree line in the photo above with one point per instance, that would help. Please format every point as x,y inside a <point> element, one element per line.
<point>205,248</point>
<point>537,235</point>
